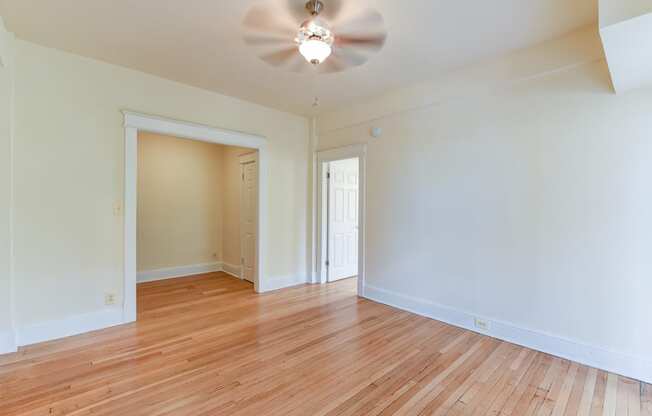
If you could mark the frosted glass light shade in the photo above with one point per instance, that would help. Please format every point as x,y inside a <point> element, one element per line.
<point>315,51</point>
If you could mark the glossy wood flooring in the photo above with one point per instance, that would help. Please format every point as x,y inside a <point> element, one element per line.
<point>208,345</point>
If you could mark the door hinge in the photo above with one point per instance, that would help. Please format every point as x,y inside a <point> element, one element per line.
<point>328,175</point>
<point>328,263</point>
<point>242,176</point>
<point>242,261</point>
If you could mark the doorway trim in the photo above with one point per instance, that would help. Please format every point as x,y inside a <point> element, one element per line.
<point>134,123</point>
<point>324,156</point>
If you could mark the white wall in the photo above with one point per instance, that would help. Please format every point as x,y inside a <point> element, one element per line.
<point>180,198</point>
<point>69,175</point>
<point>525,201</point>
<point>6,87</point>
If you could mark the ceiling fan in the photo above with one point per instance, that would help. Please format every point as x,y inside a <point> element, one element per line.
<point>283,41</point>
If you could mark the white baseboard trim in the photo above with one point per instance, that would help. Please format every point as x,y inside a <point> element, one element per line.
<point>181,271</point>
<point>79,324</point>
<point>634,367</point>
<point>232,269</point>
<point>7,342</point>
<point>66,327</point>
<point>283,282</point>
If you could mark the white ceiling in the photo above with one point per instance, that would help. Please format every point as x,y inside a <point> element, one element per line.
<point>199,42</point>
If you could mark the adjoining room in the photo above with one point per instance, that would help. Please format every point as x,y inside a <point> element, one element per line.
<point>197,205</point>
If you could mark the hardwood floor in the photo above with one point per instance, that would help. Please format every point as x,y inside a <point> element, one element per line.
<point>208,345</point>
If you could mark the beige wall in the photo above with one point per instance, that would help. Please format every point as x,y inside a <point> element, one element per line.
<point>188,202</point>
<point>6,85</point>
<point>517,190</point>
<point>180,193</point>
<point>69,162</point>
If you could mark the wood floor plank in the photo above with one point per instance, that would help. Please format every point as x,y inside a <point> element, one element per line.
<point>574,401</point>
<point>584,408</point>
<point>597,407</point>
<point>474,391</point>
<point>531,391</point>
<point>622,397</point>
<point>565,392</point>
<point>506,387</point>
<point>611,396</point>
<point>557,382</point>
<point>646,400</point>
<point>634,401</point>
<point>207,345</point>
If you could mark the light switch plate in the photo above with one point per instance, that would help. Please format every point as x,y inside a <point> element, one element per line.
<point>117,209</point>
<point>109,299</point>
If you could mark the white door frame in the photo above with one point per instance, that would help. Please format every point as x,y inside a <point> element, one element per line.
<point>137,122</point>
<point>321,243</point>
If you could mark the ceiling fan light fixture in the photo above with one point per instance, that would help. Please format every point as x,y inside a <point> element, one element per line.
<point>315,41</point>
<point>315,50</point>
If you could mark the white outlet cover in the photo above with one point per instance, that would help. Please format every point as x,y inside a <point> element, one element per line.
<point>481,324</point>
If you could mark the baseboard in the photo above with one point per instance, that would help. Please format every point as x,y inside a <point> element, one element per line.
<point>7,342</point>
<point>172,272</point>
<point>634,367</point>
<point>79,324</point>
<point>74,325</point>
<point>277,283</point>
<point>232,269</point>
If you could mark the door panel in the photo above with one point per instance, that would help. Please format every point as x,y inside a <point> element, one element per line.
<point>343,219</point>
<point>248,218</point>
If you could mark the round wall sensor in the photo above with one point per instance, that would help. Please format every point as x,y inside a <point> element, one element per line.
<point>376,132</point>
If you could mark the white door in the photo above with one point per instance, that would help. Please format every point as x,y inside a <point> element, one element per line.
<point>343,181</point>
<point>248,215</point>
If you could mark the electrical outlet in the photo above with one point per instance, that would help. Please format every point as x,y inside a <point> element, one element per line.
<point>109,299</point>
<point>481,324</point>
